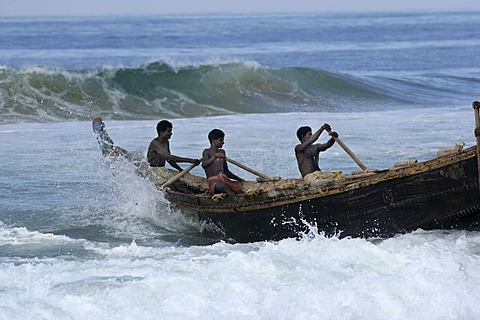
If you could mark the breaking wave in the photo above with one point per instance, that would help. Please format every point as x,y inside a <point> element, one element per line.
<point>158,90</point>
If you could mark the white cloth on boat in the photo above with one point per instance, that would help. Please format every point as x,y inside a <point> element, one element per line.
<point>321,179</point>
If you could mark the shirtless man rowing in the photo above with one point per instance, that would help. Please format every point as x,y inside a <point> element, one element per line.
<point>307,152</point>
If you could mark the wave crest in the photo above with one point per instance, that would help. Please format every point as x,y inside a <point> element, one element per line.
<point>158,90</point>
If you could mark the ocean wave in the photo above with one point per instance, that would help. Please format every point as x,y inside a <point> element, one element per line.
<point>161,89</point>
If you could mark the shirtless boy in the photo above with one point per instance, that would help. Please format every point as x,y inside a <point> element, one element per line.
<point>307,152</point>
<point>159,153</point>
<point>215,165</point>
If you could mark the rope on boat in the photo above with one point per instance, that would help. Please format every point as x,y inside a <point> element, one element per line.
<point>251,192</point>
<point>218,197</point>
<point>457,147</point>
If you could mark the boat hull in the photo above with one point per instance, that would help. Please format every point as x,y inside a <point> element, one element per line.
<point>446,197</point>
<point>442,193</point>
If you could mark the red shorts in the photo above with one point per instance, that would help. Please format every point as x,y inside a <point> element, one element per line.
<point>235,186</point>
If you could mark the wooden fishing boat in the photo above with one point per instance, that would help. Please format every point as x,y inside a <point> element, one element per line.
<point>441,193</point>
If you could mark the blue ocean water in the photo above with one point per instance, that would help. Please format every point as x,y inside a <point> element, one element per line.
<point>81,240</point>
<point>148,67</point>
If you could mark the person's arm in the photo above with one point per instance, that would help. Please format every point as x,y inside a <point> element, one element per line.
<point>182,159</point>
<point>175,165</point>
<point>228,173</point>
<point>207,158</point>
<point>302,146</point>
<point>165,153</point>
<point>231,175</point>
<point>328,144</point>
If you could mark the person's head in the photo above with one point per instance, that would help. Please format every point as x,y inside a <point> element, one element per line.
<point>302,132</point>
<point>163,125</point>
<point>215,134</point>
<point>164,128</point>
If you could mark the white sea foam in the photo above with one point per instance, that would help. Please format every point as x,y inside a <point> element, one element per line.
<point>415,276</point>
<point>99,243</point>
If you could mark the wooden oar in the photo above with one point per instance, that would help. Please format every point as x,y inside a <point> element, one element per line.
<point>177,176</point>
<point>476,106</point>
<point>244,167</point>
<point>347,150</point>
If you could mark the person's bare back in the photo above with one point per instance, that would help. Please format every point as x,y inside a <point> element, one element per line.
<point>159,152</point>
<point>159,149</point>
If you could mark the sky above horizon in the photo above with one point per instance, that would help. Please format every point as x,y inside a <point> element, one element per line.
<point>113,7</point>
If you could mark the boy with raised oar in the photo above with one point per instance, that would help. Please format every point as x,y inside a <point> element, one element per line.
<point>307,152</point>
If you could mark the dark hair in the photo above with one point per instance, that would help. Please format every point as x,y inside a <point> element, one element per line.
<point>215,134</point>
<point>163,126</point>
<point>302,131</point>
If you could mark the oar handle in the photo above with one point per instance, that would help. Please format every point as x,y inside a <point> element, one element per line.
<point>347,150</point>
<point>244,167</point>
<point>177,176</point>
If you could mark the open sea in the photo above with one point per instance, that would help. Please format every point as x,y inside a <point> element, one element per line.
<point>80,239</point>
